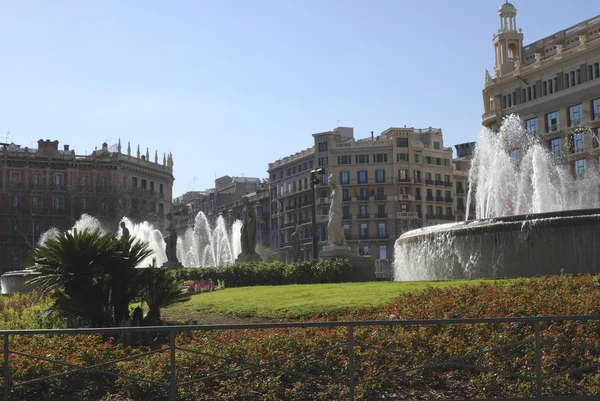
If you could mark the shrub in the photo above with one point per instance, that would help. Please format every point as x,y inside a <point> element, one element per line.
<point>273,273</point>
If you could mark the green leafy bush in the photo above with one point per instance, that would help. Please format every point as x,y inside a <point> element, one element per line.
<point>273,273</point>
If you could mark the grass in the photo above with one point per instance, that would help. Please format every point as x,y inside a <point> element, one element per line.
<point>265,303</point>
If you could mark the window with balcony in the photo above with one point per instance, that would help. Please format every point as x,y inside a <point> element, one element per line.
<point>381,211</point>
<point>364,230</point>
<point>404,208</point>
<point>429,212</point>
<point>58,202</point>
<point>361,159</point>
<point>381,229</point>
<point>103,181</point>
<point>364,194</point>
<point>579,168</point>
<point>144,184</point>
<point>578,142</point>
<point>344,159</point>
<point>345,194</point>
<point>379,175</point>
<point>417,174</point>
<point>403,175</point>
<point>515,157</point>
<point>402,142</point>
<point>15,177</point>
<point>324,179</point>
<point>575,115</point>
<point>36,179</point>
<point>556,146</point>
<point>362,212</point>
<point>59,179</point>
<point>361,177</point>
<point>381,158</point>
<point>531,126</point>
<point>436,145</point>
<point>322,161</point>
<point>84,203</point>
<point>344,177</point>
<point>552,122</point>
<point>36,201</point>
<point>322,146</point>
<point>346,212</point>
<point>380,193</point>
<point>596,109</point>
<point>347,232</point>
<point>402,157</point>
<point>15,201</point>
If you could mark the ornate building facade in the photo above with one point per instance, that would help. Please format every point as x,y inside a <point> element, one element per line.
<point>553,84</point>
<point>51,187</point>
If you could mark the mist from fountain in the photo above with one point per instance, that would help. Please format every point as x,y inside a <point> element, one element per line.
<point>512,173</point>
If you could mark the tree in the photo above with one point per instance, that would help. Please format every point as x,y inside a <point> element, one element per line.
<point>159,290</point>
<point>92,276</point>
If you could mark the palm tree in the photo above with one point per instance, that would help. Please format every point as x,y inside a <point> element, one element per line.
<point>91,276</point>
<point>71,268</point>
<point>160,289</point>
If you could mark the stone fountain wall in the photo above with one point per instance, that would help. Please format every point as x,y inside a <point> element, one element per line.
<point>513,246</point>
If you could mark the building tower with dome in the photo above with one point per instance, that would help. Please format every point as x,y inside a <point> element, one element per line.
<point>553,84</point>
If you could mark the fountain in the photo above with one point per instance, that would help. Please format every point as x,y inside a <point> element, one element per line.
<point>200,246</point>
<point>534,217</point>
<point>203,246</point>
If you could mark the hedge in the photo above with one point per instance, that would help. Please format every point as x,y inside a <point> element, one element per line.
<point>245,274</point>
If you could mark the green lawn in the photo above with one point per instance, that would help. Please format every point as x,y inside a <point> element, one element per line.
<point>293,301</point>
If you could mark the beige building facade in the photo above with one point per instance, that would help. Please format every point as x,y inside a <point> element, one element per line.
<point>553,84</point>
<point>399,180</point>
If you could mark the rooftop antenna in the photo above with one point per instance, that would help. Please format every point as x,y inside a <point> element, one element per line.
<point>338,122</point>
<point>7,137</point>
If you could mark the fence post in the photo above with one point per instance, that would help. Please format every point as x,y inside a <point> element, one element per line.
<point>538,359</point>
<point>351,361</point>
<point>173,380</point>
<point>6,371</point>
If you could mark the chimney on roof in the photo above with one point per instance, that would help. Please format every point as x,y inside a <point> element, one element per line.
<point>66,148</point>
<point>105,146</point>
<point>372,135</point>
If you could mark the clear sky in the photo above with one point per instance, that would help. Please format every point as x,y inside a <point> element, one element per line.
<point>229,86</point>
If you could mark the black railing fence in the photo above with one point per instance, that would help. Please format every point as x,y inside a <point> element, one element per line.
<point>522,357</point>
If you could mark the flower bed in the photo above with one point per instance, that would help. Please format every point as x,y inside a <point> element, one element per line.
<point>411,346</point>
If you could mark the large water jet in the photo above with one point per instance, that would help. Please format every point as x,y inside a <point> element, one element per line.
<point>534,217</point>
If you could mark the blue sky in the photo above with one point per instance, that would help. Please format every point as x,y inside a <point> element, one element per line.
<point>229,86</point>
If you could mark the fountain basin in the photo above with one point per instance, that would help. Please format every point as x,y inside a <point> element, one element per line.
<point>16,281</point>
<point>511,246</point>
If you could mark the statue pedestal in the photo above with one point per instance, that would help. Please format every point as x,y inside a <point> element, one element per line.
<point>335,252</point>
<point>252,257</point>
<point>173,265</point>
<point>363,267</point>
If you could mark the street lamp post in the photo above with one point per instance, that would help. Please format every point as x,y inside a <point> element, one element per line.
<point>315,180</point>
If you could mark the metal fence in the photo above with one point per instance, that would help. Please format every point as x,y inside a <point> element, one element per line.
<point>384,269</point>
<point>351,344</point>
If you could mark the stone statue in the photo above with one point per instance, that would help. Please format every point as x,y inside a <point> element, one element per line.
<point>295,244</point>
<point>335,232</point>
<point>171,242</point>
<point>124,232</point>
<point>248,230</point>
